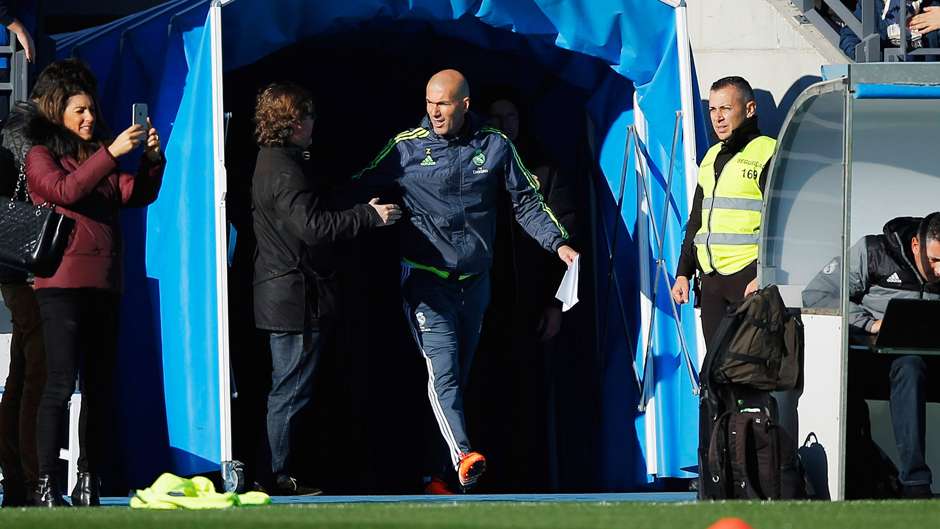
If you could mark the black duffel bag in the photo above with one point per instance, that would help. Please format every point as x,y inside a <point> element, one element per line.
<point>758,345</point>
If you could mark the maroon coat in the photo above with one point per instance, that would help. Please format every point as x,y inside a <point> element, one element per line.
<point>92,193</point>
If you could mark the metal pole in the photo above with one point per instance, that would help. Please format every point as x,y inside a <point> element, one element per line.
<point>612,243</point>
<point>612,278</point>
<point>661,270</point>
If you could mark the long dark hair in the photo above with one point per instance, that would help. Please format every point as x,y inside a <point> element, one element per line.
<point>56,84</point>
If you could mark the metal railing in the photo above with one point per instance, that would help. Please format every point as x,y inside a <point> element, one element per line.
<point>15,85</point>
<point>866,29</point>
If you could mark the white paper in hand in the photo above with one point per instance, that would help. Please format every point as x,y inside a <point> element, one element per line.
<point>568,290</point>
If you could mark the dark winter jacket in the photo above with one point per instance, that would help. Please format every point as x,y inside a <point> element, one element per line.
<point>295,230</point>
<point>13,149</point>
<point>448,187</point>
<point>6,14</point>
<point>881,267</point>
<point>747,131</point>
<point>90,192</point>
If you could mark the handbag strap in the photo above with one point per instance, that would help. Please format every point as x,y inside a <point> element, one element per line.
<point>22,188</point>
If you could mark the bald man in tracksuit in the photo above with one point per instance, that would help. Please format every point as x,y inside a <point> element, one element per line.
<point>447,172</point>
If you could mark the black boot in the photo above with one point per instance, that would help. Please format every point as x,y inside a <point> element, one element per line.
<point>14,493</point>
<point>85,493</point>
<point>46,493</point>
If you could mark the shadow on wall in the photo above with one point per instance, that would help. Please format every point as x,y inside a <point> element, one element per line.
<point>6,324</point>
<point>771,113</point>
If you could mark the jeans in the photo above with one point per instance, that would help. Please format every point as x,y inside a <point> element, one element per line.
<point>23,389</point>
<point>445,318</point>
<point>80,326</point>
<point>294,358</point>
<point>908,378</point>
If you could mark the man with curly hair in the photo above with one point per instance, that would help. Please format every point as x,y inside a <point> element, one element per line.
<point>294,286</point>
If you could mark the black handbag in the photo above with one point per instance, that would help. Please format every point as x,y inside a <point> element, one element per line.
<point>32,238</point>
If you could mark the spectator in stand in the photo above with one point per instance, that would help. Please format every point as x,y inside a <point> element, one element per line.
<point>22,34</point>
<point>923,19</point>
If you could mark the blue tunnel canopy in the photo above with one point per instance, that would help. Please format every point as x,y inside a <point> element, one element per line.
<point>620,54</point>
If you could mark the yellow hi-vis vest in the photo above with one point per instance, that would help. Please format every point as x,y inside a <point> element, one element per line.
<point>727,240</point>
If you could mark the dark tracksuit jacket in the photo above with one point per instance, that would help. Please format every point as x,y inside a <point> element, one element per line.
<point>448,188</point>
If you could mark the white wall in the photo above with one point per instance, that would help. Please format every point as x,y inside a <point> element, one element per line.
<point>762,41</point>
<point>4,358</point>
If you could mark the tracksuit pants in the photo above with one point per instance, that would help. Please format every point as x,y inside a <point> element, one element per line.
<point>445,316</point>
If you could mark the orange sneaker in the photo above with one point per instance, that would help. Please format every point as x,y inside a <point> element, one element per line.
<point>472,465</point>
<point>437,487</point>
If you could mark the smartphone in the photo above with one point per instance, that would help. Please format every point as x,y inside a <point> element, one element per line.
<point>139,115</point>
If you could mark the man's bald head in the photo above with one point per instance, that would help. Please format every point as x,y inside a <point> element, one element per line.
<point>448,100</point>
<point>452,81</point>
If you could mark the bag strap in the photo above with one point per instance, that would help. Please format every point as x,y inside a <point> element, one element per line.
<point>716,346</point>
<point>742,424</point>
<point>21,185</point>
<point>718,429</point>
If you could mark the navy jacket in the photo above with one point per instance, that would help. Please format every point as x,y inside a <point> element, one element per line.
<point>448,190</point>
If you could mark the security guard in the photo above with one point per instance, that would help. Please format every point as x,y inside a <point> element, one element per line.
<point>447,172</point>
<point>721,235</point>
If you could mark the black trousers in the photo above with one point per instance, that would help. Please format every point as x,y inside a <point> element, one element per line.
<point>718,292</point>
<point>23,388</point>
<point>80,326</point>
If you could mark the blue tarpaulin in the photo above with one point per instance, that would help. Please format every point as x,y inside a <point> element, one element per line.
<point>624,55</point>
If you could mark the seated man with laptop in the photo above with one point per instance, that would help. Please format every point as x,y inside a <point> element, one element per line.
<point>898,273</point>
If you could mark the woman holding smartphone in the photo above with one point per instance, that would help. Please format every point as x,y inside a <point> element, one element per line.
<point>74,169</point>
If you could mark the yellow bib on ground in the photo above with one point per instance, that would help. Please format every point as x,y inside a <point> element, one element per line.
<point>731,208</point>
<point>174,492</point>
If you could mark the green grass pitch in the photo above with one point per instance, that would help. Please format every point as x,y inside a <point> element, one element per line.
<point>779,515</point>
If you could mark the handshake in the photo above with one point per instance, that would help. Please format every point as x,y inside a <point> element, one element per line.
<point>388,213</point>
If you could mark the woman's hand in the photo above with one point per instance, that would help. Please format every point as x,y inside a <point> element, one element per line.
<point>127,141</point>
<point>153,143</point>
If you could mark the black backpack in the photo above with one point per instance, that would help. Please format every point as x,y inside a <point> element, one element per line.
<point>743,452</point>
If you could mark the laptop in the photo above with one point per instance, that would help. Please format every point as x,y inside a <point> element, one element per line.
<point>910,326</point>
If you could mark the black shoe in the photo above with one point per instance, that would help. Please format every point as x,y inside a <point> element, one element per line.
<point>916,492</point>
<point>14,494</point>
<point>85,492</point>
<point>46,493</point>
<point>288,486</point>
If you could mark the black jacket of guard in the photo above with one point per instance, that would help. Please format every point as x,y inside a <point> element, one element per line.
<point>295,230</point>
